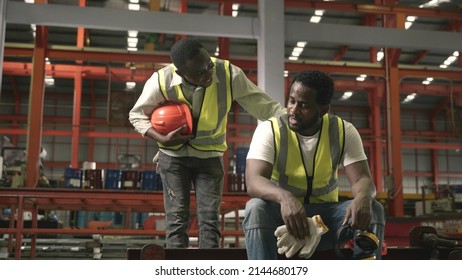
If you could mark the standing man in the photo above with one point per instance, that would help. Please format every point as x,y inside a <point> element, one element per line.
<point>208,86</point>
<point>292,168</point>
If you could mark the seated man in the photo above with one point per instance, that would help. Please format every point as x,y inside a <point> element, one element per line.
<point>291,173</point>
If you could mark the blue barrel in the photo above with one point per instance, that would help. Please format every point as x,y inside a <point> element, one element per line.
<point>151,181</point>
<point>118,218</point>
<point>83,217</point>
<point>113,179</point>
<point>72,178</point>
<point>241,156</point>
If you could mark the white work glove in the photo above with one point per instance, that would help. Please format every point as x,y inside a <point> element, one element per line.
<point>317,228</point>
<point>289,245</point>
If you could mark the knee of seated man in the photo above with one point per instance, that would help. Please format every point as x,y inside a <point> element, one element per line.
<point>257,213</point>
<point>255,205</point>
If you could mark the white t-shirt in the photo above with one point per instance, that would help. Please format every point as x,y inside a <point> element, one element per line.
<point>262,145</point>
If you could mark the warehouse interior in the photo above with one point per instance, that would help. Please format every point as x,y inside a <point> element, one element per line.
<point>84,179</point>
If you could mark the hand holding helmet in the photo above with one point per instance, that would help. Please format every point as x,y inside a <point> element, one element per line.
<point>170,116</point>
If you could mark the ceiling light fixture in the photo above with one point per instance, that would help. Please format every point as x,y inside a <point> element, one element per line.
<point>409,98</point>
<point>427,81</point>
<point>380,55</point>
<point>132,40</point>
<point>132,33</point>
<point>433,3</point>
<point>297,51</point>
<point>450,60</point>
<point>49,81</point>
<point>130,85</point>
<point>33,27</point>
<point>235,10</point>
<point>315,19</point>
<point>409,21</point>
<point>346,95</point>
<point>134,7</point>
<point>361,78</point>
<point>317,16</point>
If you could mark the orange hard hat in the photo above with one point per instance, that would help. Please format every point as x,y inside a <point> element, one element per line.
<point>170,116</point>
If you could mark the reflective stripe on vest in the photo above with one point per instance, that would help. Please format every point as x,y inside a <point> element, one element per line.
<point>209,108</point>
<point>293,175</point>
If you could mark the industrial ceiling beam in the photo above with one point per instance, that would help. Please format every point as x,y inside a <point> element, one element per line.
<point>109,134</point>
<point>374,9</point>
<point>140,75</point>
<point>92,54</point>
<point>234,27</point>
<point>346,6</point>
<point>327,33</point>
<point>104,55</point>
<point>143,21</point>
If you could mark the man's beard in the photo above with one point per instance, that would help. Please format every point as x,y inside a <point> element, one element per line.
<point>304,126</point>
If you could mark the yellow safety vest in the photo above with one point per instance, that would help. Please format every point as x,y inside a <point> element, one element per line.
<point>209,109</point>
<point>292,174</point>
